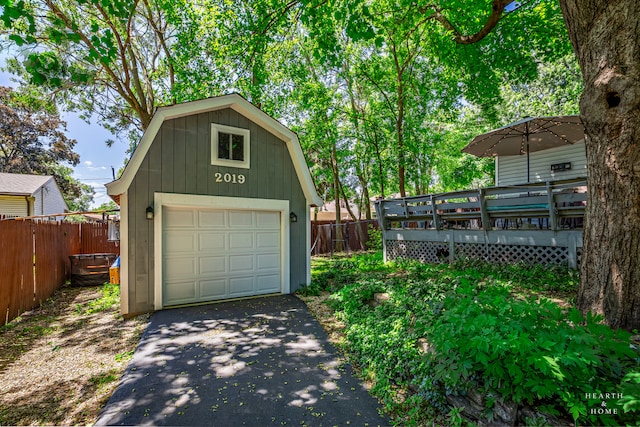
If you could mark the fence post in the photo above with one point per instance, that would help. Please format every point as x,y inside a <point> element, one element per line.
<point>486,226</point>
<point>434,212</point>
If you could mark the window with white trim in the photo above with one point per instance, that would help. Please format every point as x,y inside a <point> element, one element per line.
<point>230,146</point>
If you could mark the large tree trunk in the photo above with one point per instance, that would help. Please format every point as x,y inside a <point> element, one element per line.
<point>605,37</point>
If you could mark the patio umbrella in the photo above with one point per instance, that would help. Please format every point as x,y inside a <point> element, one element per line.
<point>527,136</point>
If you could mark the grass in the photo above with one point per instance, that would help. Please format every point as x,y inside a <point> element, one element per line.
<point>428,338</point>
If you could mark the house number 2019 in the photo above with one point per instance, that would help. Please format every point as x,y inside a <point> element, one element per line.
<point>230,178</point>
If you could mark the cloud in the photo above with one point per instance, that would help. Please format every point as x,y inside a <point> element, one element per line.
<point>88,163</point>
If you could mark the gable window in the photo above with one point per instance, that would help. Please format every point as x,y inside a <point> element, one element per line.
<point>230,146</point>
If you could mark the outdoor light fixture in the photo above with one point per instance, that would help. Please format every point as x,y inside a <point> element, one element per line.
<point>293,217</point>
<point>149,212</point>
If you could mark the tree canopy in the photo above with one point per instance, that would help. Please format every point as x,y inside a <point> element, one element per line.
<point>372,86</point>
<point>33,141</point>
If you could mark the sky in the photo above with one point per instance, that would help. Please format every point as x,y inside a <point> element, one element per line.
<point>96,159</point>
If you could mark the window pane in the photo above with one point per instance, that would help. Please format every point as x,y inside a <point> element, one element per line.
<point>223,145</point>
<point>237,147</point>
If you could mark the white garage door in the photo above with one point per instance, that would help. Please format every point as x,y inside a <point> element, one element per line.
<point>211,254</point>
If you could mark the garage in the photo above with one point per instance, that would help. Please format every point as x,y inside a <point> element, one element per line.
<point>214,205</point>
<point>212,254</point>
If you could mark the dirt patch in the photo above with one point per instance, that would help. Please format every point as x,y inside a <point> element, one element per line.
<point>319,308</point>
<point>61,362</point>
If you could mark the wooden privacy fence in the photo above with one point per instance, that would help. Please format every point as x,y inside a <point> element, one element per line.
<point>355,234</point>
<point>34,259</point>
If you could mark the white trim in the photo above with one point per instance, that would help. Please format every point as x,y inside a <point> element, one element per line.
<point>219,202</point>
<point>246,146</point>
<point>124,254</point>
<point>308,245</point>
<point>237,103</point>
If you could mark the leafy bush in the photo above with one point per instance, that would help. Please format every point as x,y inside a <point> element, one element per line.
<point>442,330</point>
<point>528,351</point>
<point>374,242</point>
<point>331,274</point>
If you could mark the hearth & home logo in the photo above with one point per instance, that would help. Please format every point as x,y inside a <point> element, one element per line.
<point>607,405</point>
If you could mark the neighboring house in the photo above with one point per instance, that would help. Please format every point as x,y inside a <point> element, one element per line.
<point>553,164</point>
<point>29,195</point>
<point>327,212</point>
<point>214,204</point>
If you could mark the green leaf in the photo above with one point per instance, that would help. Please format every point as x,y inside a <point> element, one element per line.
<point>17,39</point>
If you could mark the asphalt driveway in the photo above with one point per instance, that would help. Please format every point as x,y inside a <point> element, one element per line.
<point>257,362</point>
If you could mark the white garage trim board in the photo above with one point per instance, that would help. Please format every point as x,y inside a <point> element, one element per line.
<point>222,206</point>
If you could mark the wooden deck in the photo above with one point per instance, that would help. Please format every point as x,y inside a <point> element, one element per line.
<point>534,222</point>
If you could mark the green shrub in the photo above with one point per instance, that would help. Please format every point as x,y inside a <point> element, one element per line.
<point>445,329</point>
<point>374,242</point>
<point>331,274</point>
<point>528,352</point>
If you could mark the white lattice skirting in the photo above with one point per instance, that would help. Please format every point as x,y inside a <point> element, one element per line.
<point>435,252</point>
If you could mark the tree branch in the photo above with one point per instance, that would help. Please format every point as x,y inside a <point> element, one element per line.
<point>497,8</point>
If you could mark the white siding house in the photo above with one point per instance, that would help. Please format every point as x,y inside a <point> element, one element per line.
<point>512,170</point>
<point>28,195</point>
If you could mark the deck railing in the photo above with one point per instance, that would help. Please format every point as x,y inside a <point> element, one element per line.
<point>553,205</point>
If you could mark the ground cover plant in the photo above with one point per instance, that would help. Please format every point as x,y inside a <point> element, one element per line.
<point>474,342</point>
<point>60,362</point>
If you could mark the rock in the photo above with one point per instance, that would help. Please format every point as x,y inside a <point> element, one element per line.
<point>424,346</point>
<point>503,414</point>
<point>379,299</point>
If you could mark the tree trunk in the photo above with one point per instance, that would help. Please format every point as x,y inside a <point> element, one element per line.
<point>381,176</point>
<point>605,38</point>
<point>399,126</point>
<point>336,192</point>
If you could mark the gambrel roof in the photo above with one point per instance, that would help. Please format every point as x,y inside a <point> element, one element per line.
<point>237,103</point>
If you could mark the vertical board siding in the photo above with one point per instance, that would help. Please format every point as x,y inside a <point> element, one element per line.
<point>35,261</point>
<point>191,151</point>
<point>182,149</point>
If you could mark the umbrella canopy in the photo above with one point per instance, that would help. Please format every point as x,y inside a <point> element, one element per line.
<point>527,136</point>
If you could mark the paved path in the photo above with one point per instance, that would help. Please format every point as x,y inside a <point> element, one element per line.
<point>256,362</point>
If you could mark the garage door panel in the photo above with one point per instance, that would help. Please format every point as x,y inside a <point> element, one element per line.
<point>176,242</point>
<point>241,263</point>
<point>211,241</point>
<point>212,265</point>
<point>241,286</point>
<point>213,254</point>
<point>240,241</point>
<point>180,217</point>
<point>268,261</point>
<point>240,219</point>
<point>268,220</point>
<point>266,240</point>
<point>176,267</point>
<point>268,283</point>
<point>179,292</point>
<point>212,219</point>
<point>213,289</point>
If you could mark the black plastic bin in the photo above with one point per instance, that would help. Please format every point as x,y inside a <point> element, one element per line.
<point>91,269</point>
